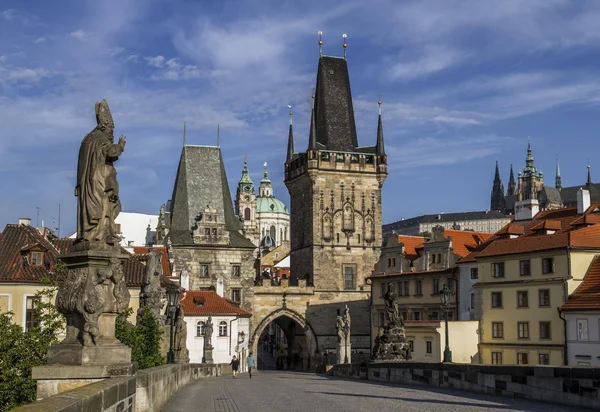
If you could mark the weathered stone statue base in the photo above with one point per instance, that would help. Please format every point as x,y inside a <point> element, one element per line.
<point>391,345</point>
<point>91,298</point>
<point>208,355</point>
<point>342,351</point>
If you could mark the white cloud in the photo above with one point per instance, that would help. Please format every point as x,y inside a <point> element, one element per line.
<point>78,34</point>
<point>157,61</point>
<point>40,40</point>
<point>8,14</point>
<point>427,62</point>
<point>23,74</point>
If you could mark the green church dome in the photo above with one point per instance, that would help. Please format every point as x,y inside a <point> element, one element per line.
<point>270,204</point>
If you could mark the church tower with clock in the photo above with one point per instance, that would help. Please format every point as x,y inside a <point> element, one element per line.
<point>245,205</point>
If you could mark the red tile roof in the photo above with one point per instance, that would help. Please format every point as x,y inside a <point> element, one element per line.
<point>14,265</point>
<point>463,242</point>
<point>166,265</point>
<point>209,303</point>
<point>511,229</point>
<point>547,224</point>
<point>587,294</point>
<point>411,244</point>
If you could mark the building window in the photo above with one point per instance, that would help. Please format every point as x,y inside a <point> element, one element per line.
<point>207,231</point>
<point>525,267</point>
<point>406,288</point>
<point>400,291</point>
<point>451,284</point>
<point>434,315</point>
<point>337,237</point>
<point>349,276</point>
<point>496,358</point>
<point>384,288</point>
<point>418,291</point>
<point>498,270</point>
<point>523,329</point>
<point>222,328</point>
<point>404,315</point>
<point>498,330</point>
<point>582,329</point>
<point>30,321</point>
<point>247,213</point>
<point>417,315</point>
<point>200,329</point>
<point>522,359</point>
<point>545,330</point>
<point>474,273</point>
<point>472,300</point>
<point>547,265</point>
<point>236,295</point>
<point>411,345</point>
<point>436,286</point>
<point>544,297</point>
<point>496,299</point>
<point>37,258</point>
<point>273,233</point>
<point>235,271</point>
<point>429,346</point>
<point>544,359</point>
<point>380,319</point>
<point>522,299</point>
<point>204,269</point>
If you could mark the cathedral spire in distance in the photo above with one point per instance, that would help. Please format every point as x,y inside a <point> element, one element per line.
<point>589,178</point>
<point>380,148</point>
<point>290,148</point>
<point>558,182</point>
<point>512,185</point>
<point>497,199</point>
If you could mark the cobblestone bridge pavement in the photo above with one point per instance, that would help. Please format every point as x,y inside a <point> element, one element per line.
<point>275,391</point>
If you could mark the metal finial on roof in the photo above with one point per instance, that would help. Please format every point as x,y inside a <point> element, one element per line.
<point>379,104</point>
<point>218,135</point>
<point>184,134</point>
<point>345,45</point>
<point>320,33</point>
<point>313,98</point>
<point>290,107</point>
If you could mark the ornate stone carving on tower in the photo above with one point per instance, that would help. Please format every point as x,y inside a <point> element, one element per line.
<point>391,345</point>
<point>94,292</point>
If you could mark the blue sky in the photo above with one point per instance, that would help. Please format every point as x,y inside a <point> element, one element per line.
<point>463,82</point>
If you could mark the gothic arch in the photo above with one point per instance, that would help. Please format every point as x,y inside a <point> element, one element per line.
<point>290,314</point>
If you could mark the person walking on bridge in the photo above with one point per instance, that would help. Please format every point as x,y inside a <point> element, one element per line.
<point>235,364</point>
<point>250,363</point>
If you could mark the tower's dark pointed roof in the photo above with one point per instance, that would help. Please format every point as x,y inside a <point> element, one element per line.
<point>201,181</point>
<point>334,114</point>
<point>380,148</point>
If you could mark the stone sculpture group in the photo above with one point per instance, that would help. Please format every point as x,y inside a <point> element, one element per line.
<point>391,345</point>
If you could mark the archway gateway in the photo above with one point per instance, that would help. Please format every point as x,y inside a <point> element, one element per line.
<point>299,335</point>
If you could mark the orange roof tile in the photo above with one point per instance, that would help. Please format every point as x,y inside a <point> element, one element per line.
<point>511,229</point>
<point>166,265</point>
<point>208,303</point>
<point>463,242</point>
<point>411,243</point>
<point>547,224</point>
<point>587,294</point>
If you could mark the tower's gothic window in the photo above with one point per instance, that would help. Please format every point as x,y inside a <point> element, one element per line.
<point>247,213</point>
<point>273,232</point>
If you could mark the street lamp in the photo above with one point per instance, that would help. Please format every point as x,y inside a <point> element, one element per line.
<point>445,298</point>
<point>172,300</point>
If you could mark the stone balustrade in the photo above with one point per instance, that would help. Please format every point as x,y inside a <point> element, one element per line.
<point>148,390</point>
<point>572,386</point>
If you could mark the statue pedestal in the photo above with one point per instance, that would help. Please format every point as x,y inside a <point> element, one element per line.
<point>91,298</point>
<point>342,351</point>
<point>208,355</point>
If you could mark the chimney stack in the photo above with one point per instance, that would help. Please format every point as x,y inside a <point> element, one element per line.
<point>25,221</point>
<point>583,201</point>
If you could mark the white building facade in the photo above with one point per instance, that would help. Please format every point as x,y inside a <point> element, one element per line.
<point>231,327</point>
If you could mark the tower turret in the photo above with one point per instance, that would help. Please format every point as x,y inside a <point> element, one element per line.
<point>558,182</point>
<point>512,185</point>
<point>497,198</point>
<point>290,148</point>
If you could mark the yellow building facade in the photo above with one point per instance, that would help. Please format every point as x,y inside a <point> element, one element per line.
<point>524,276</point>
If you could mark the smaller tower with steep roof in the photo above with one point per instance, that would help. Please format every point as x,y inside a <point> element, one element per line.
<point>497,199</point>
<point>245,205</point>
<point>558,182</point>
<point>512,186</point>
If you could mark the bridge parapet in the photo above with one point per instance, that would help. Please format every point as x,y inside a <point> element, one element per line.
<point>565,385</point>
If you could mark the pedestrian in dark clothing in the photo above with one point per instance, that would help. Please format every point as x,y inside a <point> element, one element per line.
<point>235,365</point>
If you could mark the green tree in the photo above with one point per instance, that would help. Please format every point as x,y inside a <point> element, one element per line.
<point>21,350</point>
<point>143,339</point>
<point>425,234</point>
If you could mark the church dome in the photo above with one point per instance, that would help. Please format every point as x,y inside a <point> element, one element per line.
<point>270,205</point>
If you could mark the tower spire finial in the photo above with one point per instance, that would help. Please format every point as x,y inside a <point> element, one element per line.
<point>184,137</point>
<point>312,137</point>
<point>589,179</point>
<point>320,33</point>
<point>379,147</point>
<point>290,148</point>
<point>218,135</point>
<point>345,45</point>
<point>379,104</point>
<point>558,179</point>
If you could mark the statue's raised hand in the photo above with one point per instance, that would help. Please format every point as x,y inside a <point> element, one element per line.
<point>122,140</point>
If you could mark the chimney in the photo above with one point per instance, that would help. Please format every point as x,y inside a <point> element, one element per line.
<point>25,221</point>
<point>583,201</point>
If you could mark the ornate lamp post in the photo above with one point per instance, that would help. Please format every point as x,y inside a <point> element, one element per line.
<point>172,298</point>
<point>445,297</point>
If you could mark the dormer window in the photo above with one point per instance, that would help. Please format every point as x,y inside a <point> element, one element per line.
<point>36,258</point>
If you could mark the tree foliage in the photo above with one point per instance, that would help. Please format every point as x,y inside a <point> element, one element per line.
<point>143,339</point>
<point>21,350</point>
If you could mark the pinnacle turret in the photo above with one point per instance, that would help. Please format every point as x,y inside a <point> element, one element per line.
<point>290,148</point>
<point>512,185</point>
<point>380,148</point>
<point>558,181</point>
<point>497,198</point>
